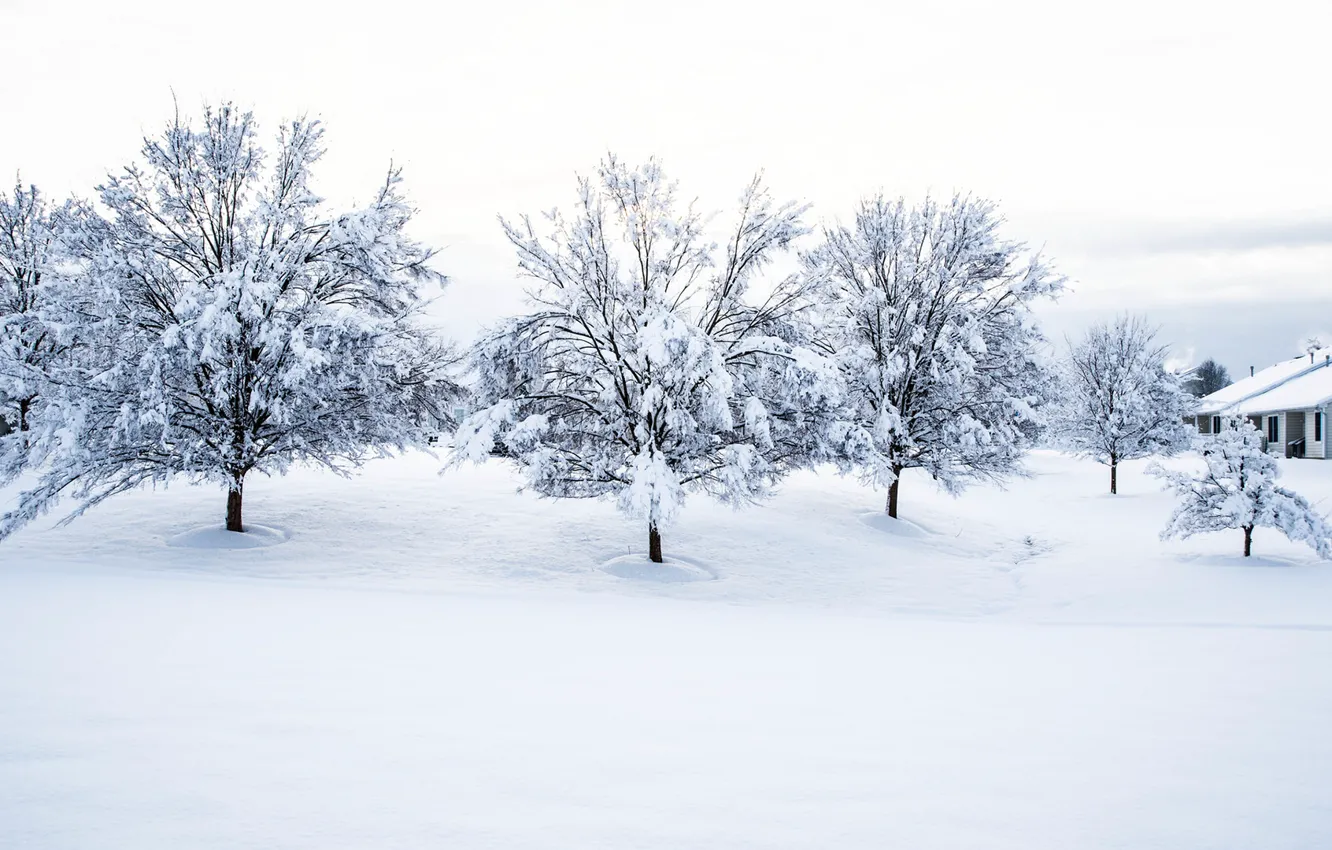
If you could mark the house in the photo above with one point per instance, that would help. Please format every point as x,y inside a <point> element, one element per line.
<point>1287,402</point>
<point>460,411</point>
<point>1293,416</point>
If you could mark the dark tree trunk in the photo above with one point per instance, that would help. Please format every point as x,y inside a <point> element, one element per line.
<point>237,471</point>
<point>654,543</point>
<point>1114,477</point>
<point>25,407</point>
<point>1248,540</point>
<point>234,505</point>
<point>893,490</point>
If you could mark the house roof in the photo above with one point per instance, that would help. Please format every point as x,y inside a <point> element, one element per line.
<point>1312,389</point>
<point>1225,400</point>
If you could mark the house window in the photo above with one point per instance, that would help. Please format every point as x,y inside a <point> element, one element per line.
<point>1272,434</point>
<point>1216,424</point>
<point>1318,427</point>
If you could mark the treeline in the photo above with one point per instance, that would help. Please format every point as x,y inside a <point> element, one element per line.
<point>209,316</point>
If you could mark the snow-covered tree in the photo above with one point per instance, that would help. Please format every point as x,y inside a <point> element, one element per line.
<point>235,325</point>
<point>1238,490</point>
<point>1312,343</point>
<point>1207,378</point>
<point>29,341</point>
<point>927,312</point>
<point>1119,400</point>
<point>654,364</point>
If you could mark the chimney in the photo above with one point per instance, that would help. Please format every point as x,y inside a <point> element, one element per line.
<point>1310,358</point>
<point>1250,371</point>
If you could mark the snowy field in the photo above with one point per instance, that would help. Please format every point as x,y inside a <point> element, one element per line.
<point>426,661</point>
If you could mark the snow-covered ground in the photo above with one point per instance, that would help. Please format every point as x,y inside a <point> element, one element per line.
<point>424,661</point>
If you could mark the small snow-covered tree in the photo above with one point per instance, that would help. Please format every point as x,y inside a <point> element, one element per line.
<point>927,312</point>
<point>1119,400</point>
<point>652,365</point>
<point>1312,343</point>
<point>29,341</point>
<point>1238,490</point>
<point>235,325</point>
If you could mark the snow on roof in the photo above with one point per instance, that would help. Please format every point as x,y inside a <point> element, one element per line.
<point>1313,389</point>
<point>1223,400</point>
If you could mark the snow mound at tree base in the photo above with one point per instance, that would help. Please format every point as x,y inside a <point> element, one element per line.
<point>637,567</point>
<point>1235,559</point>
<point>216,537</point>
<point>902,527</point>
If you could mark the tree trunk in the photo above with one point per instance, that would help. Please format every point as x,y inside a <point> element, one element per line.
<point>1248,540</point>
<point>234,504</point>
<point>893,490</point>
<point>1114,477</point>
<point>654,543</point>
<point>25,406</point>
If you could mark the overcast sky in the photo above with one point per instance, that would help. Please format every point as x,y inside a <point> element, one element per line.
<point>1171,157</point>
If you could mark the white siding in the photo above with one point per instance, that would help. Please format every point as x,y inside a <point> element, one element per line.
<point>1275,445</point>
<point>1314,448</point>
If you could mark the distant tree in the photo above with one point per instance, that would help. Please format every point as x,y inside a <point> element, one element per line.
<point>1207,378</point>
<point>1238,491</point>
<point>649,368</point>
<point>1120,402</point>
<point>927,313</point>
<point>29,341</point>
<point>235,325</point>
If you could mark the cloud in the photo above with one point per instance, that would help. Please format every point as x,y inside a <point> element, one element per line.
<point>1254,334</point>
<point>1202,237</point>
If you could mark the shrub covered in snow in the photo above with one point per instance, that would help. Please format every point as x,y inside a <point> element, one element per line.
<point>1238,490</point>
<point>650,367</point>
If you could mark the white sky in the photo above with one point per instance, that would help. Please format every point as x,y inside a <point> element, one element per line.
<point>1168,155</point>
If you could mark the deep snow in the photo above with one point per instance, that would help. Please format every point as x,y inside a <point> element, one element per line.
<point>427,661</point>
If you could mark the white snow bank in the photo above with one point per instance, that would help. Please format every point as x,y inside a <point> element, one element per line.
<point>639,568</point>
<point>217,537</point>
